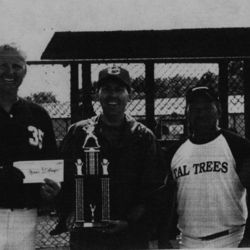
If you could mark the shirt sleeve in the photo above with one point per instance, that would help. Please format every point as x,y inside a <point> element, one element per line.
<point>240,148</point>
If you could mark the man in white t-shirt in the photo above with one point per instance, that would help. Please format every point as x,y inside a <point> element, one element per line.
<point>211,168</point>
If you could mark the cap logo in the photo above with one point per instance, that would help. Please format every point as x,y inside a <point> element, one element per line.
<point>114,71</point>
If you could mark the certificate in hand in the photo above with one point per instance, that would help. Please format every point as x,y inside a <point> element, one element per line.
<point>37,171</point>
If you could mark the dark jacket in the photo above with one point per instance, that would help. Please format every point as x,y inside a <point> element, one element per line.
<point>136,169</point>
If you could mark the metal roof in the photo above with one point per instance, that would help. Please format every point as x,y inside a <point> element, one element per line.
<point>150,44</point>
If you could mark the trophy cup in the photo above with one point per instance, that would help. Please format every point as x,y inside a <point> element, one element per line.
<point>92,185</point>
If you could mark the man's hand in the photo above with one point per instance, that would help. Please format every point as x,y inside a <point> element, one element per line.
<point>115,226</point>
<point>137,213</point>
<point>11,175</point>
<point>70,221</point>
<point>50,189</point>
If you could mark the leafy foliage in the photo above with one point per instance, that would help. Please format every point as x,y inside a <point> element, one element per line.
<point>42,97</point>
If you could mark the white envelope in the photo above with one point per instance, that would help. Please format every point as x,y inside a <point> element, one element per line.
<point>37,171</point>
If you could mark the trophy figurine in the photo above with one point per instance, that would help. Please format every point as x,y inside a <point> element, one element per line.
<point>92,184</point>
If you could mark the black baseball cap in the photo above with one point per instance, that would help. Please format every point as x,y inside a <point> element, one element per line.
<point>202,91</point>
<point>117,73</point>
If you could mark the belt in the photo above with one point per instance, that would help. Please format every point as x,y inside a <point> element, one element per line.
<point>220,234</point>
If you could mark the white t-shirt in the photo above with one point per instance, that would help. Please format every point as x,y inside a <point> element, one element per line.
<point>210,195</point>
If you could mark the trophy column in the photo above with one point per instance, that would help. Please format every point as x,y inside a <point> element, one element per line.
<point>79,194</point>
<point>79,200</point>
<point>92,161</point>
<point>105,191</point>
<point>105,200</point>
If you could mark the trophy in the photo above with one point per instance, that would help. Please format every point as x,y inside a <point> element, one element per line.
<point>92,184</point>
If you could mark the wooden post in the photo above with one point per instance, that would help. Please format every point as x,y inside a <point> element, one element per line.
<point>223,90</point>
<point>74,93</point>
<point>246,74</point>
<point>86,107</point>
<point>150,95</point>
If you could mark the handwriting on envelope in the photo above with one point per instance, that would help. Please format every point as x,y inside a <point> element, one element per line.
<point>37,171</point>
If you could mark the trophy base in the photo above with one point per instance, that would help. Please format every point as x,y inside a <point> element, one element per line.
<point>79,225</point>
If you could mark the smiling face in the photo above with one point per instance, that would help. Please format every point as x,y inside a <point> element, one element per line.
<point>203,115</point>
<point>113,96</point>
<point>12,71</point>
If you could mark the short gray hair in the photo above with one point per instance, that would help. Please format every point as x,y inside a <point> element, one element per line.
<point>12,47</point>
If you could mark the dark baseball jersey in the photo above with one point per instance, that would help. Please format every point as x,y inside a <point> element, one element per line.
<point>26,133</point>
<point>210,195</point>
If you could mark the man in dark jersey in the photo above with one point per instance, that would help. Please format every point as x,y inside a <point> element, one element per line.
<point>26,133</point>
<point>136,167</point>
<point>211,170</point>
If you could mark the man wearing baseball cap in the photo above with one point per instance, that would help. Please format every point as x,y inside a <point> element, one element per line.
<point>136,167</point>
<point>117,73</point>
<point>211,168</point>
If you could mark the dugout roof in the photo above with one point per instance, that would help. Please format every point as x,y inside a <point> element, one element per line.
<point>150,44</point>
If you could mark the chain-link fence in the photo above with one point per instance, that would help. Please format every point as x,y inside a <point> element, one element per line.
<point>172,80</point>
<point>46,223</point>
<point>236,97</point>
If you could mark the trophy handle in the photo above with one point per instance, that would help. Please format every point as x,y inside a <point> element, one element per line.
<point>92,208</point>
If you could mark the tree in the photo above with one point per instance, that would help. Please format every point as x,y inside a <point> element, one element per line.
<point>209,79</point>
<point>138,87</point>
<point>235,78</point>
<point>42,97</point>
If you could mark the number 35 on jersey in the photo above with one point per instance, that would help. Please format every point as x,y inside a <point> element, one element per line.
<point>37,137</point>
